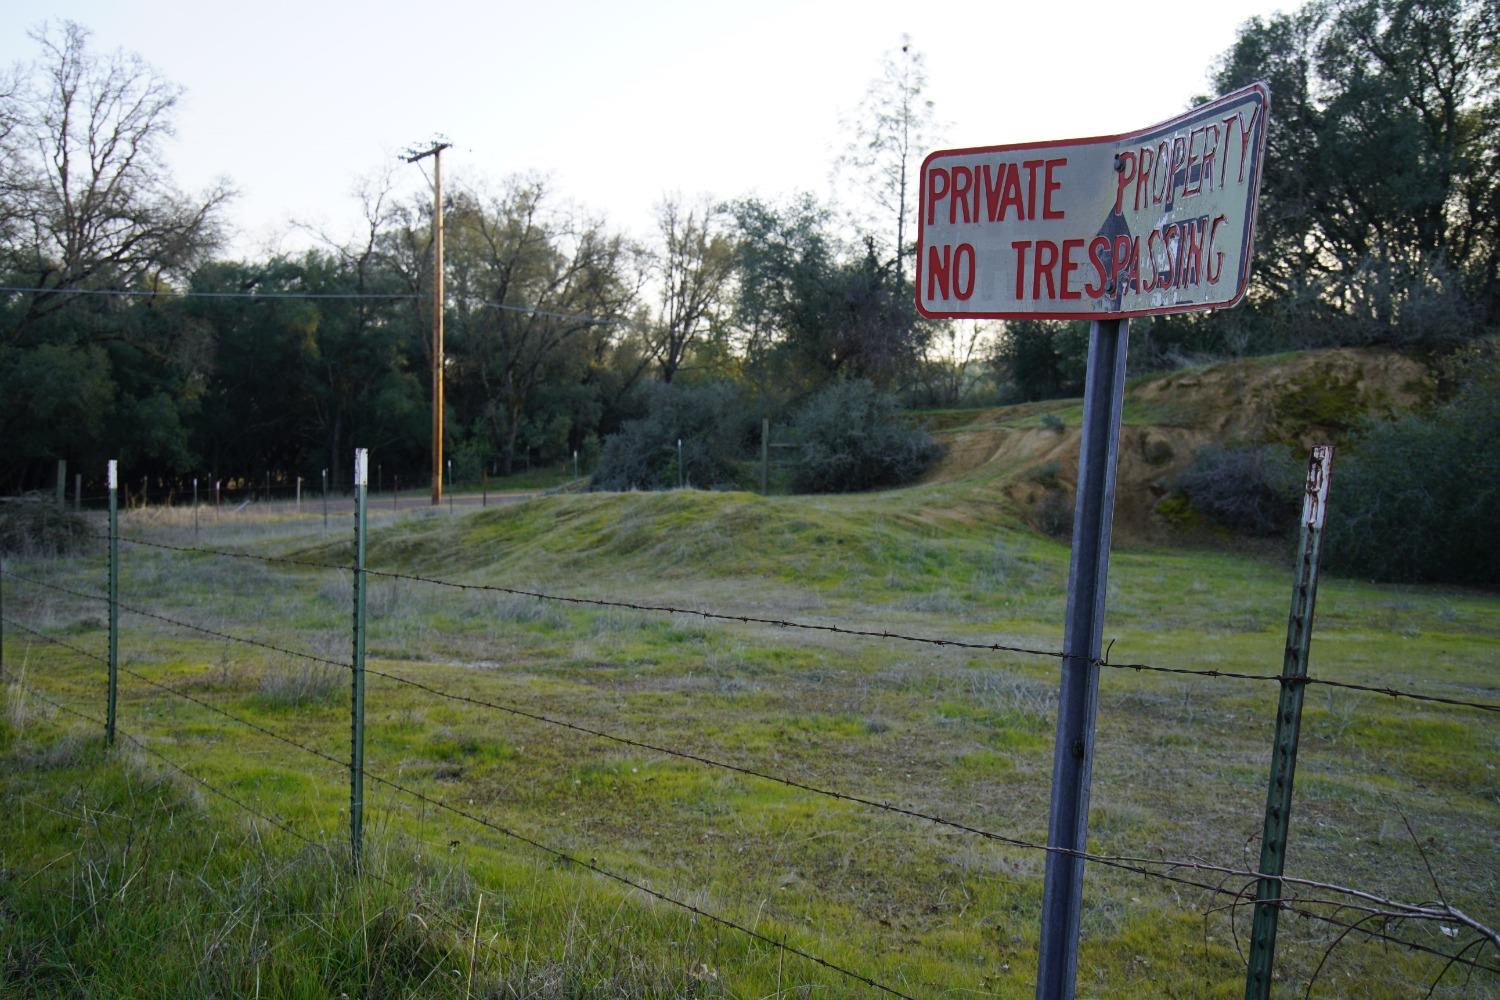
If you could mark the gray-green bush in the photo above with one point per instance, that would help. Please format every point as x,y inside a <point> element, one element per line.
<point>710,421</point>
<point>853,438</point>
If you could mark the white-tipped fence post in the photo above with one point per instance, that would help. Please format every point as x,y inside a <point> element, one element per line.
<point>114,602</point>
<point>357,705</point>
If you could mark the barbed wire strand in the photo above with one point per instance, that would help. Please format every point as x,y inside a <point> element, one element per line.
<point>280,824</point>
<point>315,658</point>
<point>1128,864</point>
<point>512,834</point>
<point>1131,864</point>
<point>1212,673</point>
<point>1124,862</point>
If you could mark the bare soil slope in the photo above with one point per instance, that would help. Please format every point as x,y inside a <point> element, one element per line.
<point>1296,400</point>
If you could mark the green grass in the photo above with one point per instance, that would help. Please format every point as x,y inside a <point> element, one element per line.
<point>214,899</point>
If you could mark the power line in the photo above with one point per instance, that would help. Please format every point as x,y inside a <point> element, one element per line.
<point>134,293</point>
<point>175,294</point>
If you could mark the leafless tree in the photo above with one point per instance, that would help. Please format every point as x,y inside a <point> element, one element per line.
<point>694,263</point>
<point>90,198</point>
<point>892,129</point>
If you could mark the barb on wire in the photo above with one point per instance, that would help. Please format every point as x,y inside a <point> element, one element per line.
<point>1370,903</point>
<point>313,657</point>
<point>522,838</point>
<point>147,748</point>
<point>633,884</point>
<point>228,553</point>
<point>1211,673</point>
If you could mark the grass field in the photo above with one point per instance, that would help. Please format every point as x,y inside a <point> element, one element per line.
<point>122,877</point>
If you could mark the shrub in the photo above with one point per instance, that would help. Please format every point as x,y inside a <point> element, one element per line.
<point>710,420</point>
<point>1252,490</point>
<point>1415,500</point>
<point>853,439</point>
<point>34,526</point>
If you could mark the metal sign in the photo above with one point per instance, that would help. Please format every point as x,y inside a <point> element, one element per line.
<point>1160,220</point>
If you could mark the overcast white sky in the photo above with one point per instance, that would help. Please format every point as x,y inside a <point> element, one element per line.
<point>617,102</point>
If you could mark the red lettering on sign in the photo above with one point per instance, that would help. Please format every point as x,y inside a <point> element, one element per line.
<point>962,291</point>
<point>1188,187</point>
<point>1171,236</point>
<point>1048,186</point>
<point>1046,264</point>
<point>1143,173</point>
<point>1011,195</point>
<point>1032,166</point>
<point>962,178</point>
<point>1163,162</point>
<point>1151,261</point>
<point>946,272</point>
<point>1121,259</point>
<point>1193,234</point>
<point>992,176</point>
<point>937,188</point>
<point>1125,167</point>
<point>1179,154</point>
<point>1215,258</point>
<point>1098,246</point>
<point>1246,131</point>
<point>1210,151</point>
<point>1069,265</point>
<point>1020,247</point>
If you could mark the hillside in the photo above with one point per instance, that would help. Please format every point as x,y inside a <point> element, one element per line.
<point>1297,400</point>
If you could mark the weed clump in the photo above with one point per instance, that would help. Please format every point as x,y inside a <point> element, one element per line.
<point>33,526</point>
<point>299,685</point>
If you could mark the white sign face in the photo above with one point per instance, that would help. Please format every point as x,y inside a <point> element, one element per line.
<point>1161,220</point>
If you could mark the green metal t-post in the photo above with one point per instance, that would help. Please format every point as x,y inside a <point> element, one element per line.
<point>1288,724</point>
<point>357,749</point>
<point>114,602</point>
<point>62,484</point>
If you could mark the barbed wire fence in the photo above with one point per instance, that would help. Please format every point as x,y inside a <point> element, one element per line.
<point>1348,910</point>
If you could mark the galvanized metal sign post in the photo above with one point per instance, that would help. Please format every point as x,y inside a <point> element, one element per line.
<point>1288,725</point>
<point>1160,220</point>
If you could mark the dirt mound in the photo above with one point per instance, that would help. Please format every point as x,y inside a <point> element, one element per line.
<point>1295,400</point>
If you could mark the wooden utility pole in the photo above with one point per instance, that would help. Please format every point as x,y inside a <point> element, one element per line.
<point>436,152</point>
